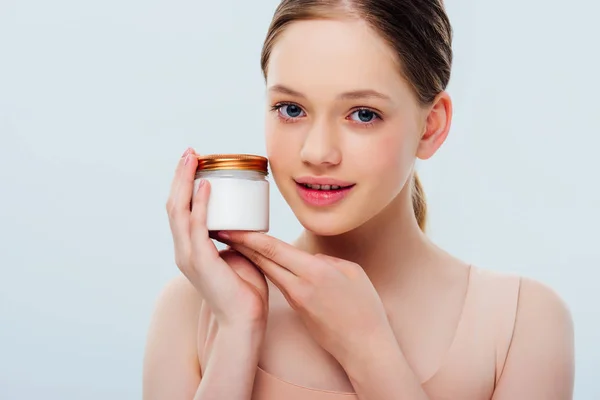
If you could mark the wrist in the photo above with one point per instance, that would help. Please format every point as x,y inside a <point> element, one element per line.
<point>230,367</point>
<point>377,346</point>
<point>241,335</point>
<point>380,369</point>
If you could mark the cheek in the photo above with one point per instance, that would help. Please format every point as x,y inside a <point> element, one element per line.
<point>390,156</point>
<point>280,146</point>
<point>273,140</point>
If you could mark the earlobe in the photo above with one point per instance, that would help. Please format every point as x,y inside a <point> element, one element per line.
<point>436,127</point>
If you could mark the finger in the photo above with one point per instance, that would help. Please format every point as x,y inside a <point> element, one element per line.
<point>246,270</point>
<point>347,267</point>
<point>204,248</point>
<point>215,236</point>
<point>179,201</point>
<point>180,180</point>
<point>179,215</point>
<point>330,259</point>
<point>186,179</point>
<point>295,260</point>
<point>281,277</point>
<point>180,164</point>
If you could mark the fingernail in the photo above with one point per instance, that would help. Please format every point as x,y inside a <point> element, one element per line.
<point>200,184</point>
<point>187,159</point>
<point>186,152</point>
<point>224,235</point>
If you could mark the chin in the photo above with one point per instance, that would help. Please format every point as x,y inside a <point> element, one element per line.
<point>326,222</point>
<point>320,228</point>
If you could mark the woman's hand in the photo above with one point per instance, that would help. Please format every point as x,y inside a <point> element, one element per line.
<point>334,297</point>
<point>234,289</point>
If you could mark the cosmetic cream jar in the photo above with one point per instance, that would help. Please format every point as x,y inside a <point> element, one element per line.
<point>239,191</point>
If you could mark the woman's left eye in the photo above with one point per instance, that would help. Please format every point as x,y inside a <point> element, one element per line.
<point>364,116</point>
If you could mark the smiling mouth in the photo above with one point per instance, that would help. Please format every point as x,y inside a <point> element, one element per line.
<point>322,195</point>
<point>324,187</point>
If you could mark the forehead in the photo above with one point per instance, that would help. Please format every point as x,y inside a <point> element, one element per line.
<point>338,54</point>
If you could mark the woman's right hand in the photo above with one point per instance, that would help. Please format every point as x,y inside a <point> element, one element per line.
<point>234,289</point>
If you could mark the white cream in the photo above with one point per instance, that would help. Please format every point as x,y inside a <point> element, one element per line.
<point>239,200</point>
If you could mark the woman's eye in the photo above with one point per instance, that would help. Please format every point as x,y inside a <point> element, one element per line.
<point>364,116</point>
<point>290,111</point>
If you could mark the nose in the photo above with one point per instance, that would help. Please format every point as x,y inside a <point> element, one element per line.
<point>321,147</point>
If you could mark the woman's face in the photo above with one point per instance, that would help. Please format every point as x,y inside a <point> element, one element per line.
<point>339,112</point>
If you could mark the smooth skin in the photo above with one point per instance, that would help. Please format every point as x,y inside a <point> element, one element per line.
<point>356,289</point>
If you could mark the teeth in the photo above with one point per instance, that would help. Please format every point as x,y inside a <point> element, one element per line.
<point>322,187</point>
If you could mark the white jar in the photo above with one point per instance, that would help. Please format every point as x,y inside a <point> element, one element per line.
<point>239,191</point>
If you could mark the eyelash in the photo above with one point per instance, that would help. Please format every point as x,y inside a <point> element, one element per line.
<point>277,107</point>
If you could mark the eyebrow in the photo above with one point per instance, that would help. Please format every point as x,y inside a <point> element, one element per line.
<point>352,95</point>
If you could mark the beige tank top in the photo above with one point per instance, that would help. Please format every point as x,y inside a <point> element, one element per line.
<point>472,364</point>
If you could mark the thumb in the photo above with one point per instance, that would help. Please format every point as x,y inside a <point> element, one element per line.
<point>245,270</point>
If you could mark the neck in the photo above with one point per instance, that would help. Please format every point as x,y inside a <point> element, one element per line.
<point>385,246</point>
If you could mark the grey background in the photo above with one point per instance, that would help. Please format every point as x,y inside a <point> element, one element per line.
<point>99,99</point>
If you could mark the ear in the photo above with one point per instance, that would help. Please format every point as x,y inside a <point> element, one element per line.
<point>437,125</point>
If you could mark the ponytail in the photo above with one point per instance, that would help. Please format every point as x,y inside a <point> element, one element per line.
<point>418,202</point>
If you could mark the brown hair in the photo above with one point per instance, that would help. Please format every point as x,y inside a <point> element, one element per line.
<point>417,30</point>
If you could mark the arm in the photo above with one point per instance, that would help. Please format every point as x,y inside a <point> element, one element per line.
<point>171,367</point>
<point>381,372</point>
<point>231,367</point>
<point>540,361</point>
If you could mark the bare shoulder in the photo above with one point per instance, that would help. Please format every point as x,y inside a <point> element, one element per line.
<point>176,311</point>
<point>540,361</point>
<point>180,294</point>
<point>544,323</point>
<point>539,304</point>
<point>537,307</point>
<point>171,368</point>
<point>534,300</point>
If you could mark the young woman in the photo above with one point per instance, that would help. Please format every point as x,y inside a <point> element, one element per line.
<point>362,305</point>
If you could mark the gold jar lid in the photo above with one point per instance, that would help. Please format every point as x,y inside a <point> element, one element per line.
<point>246,162</point>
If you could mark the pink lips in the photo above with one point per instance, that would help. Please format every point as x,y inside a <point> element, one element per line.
<point>315,197</point>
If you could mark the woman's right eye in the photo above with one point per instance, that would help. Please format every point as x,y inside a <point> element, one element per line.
<point>289,111</point>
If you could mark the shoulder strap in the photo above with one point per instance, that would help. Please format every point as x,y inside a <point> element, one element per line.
<point>507,302</point>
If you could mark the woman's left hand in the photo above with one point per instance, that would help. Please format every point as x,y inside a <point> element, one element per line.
<point>335,298</point>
